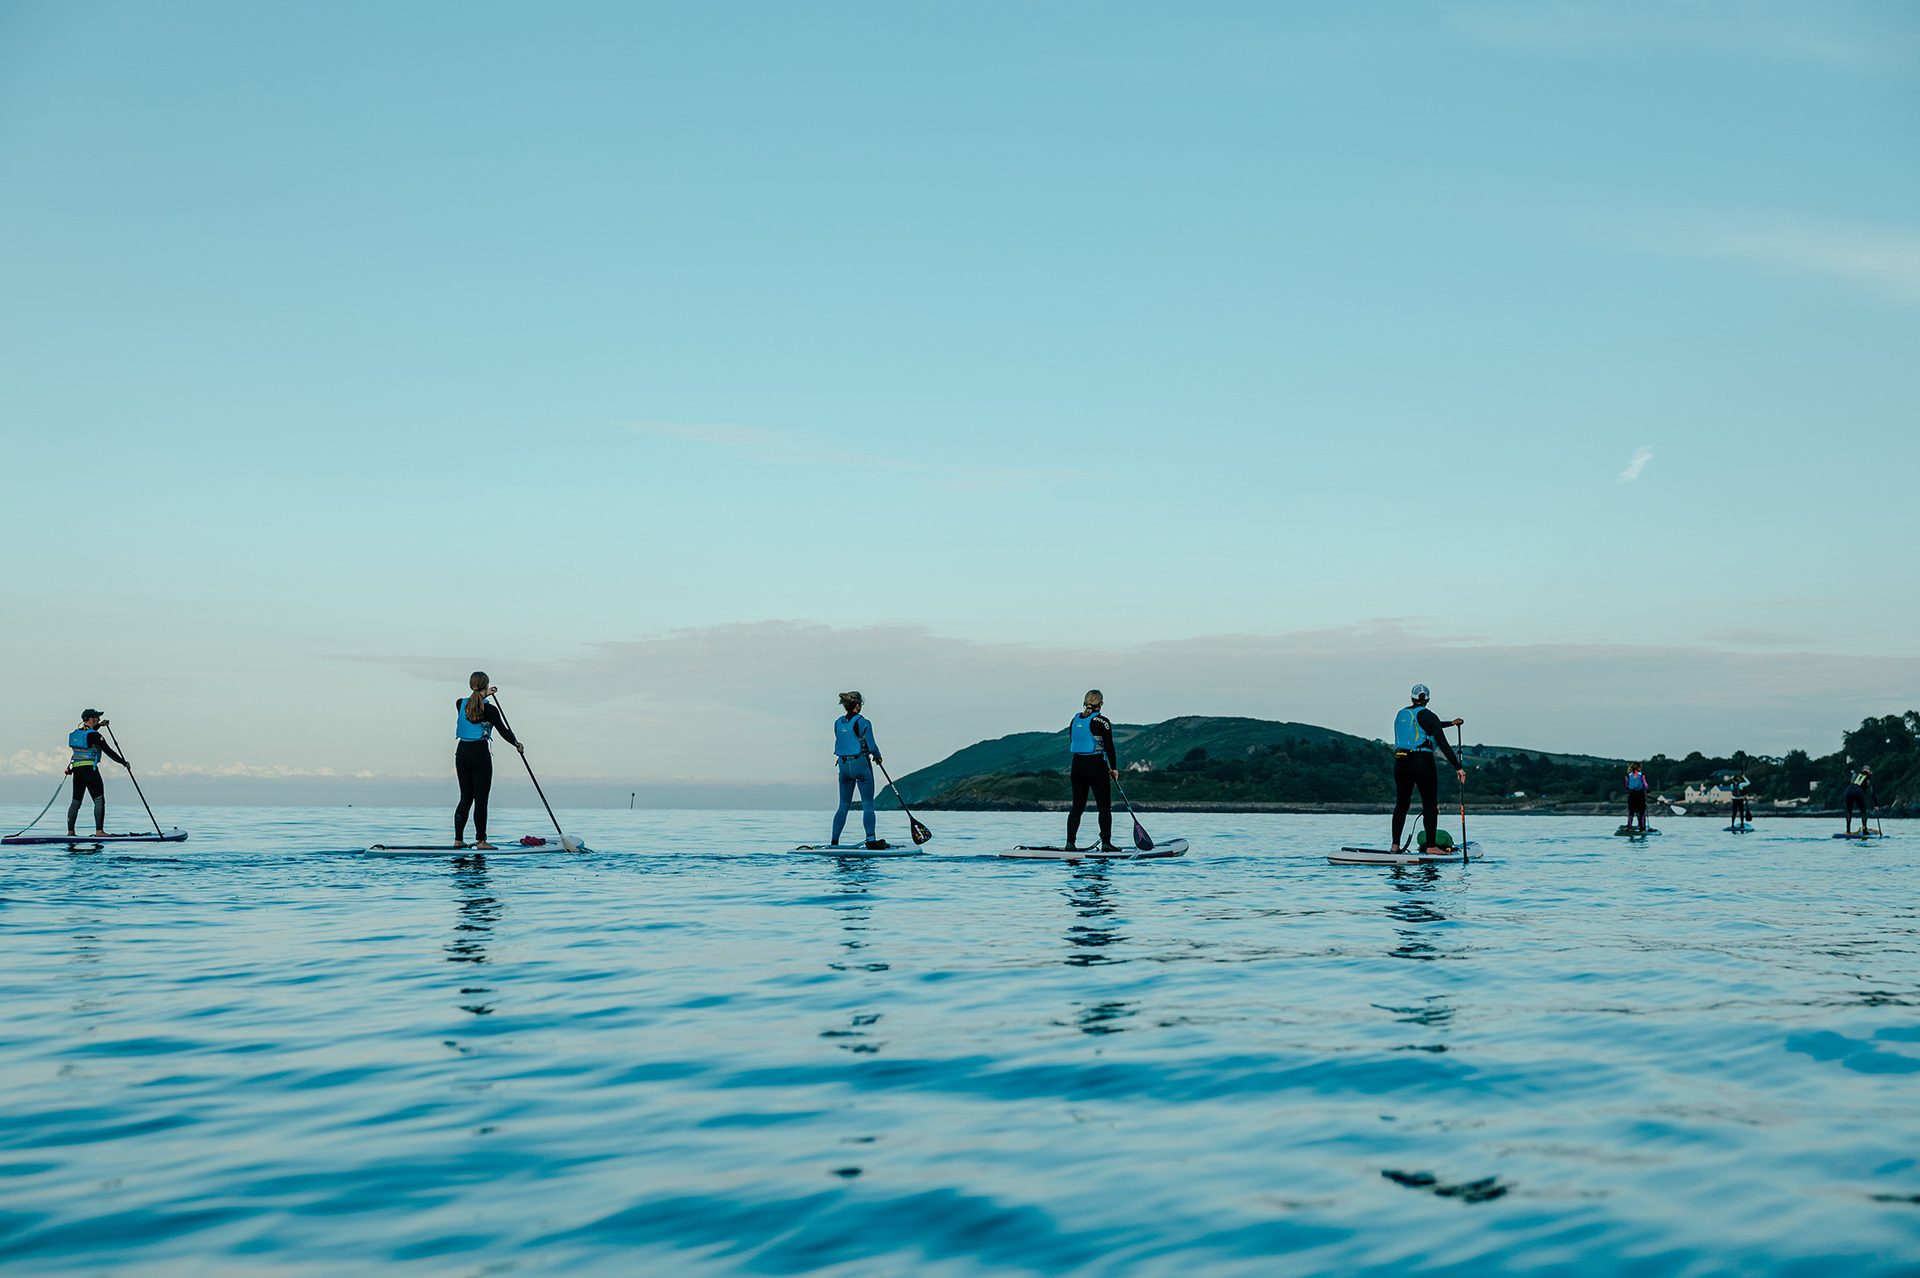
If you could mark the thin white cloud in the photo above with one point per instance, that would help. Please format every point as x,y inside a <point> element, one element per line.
<point>1641,456</point>
<point>34,763</point>
<point>1882,262</point>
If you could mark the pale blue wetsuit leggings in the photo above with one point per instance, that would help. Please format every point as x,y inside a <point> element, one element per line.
<point>855,771</point>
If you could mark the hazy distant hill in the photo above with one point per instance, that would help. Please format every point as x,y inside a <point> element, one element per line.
<point>1198,760</point>
<point>1160,744</point>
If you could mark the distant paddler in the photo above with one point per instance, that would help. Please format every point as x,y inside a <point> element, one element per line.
<point>1096,766</point>
<point>1742,811</point>
<point>1859,794</point>
<point>474,721</point>
<point>1637,786</point>
<point>1416,731</point>
<point>88,745</point>
<point>854,754</point>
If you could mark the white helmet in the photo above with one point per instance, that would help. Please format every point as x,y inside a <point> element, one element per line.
<point>1421,692</point>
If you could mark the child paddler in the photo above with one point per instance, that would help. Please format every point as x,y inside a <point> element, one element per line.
<point>1416,731</point>
<point>88,745</point>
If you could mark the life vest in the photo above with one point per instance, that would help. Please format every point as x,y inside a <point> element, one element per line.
<point>467,731</point>
<point>1081,728</point>
<point>1861,779</point>
<point>84,755</point>
<point>1636,780</point>
<point>1408,735</point>
<point>849,736</point>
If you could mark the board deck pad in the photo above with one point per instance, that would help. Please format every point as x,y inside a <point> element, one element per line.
<point>1387,856</point>
<point>857,849</point>
<point>29,840</point>
<point>1862,834</point>
<point>1162,850</point>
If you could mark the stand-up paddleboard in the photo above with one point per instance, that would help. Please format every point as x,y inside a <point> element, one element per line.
<point>1387,856</point>
<point>529,843</point>
<point>1861,834</point>
<point>1739,829</point>
<point>857,849</point>
<point>1163,849</point>
<point>1628,831</point>
<point>150,836</point>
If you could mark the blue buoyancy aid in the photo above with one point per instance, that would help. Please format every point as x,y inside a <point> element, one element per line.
<point>84,755</point>
<point>852,737</point>
<point>1408,735</point>
<point>1636,780</point>
<point>1084,742</point>
<point>465,730</point>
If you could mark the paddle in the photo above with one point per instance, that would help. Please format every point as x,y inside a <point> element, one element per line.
<point>1461,750</point>
<point>136,780</point>
<point>1141,839</point>
<point>58,786</point>
<point>567,841</point>
<point>921,833</point>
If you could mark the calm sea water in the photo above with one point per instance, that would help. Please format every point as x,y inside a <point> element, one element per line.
<point>261,1053</point>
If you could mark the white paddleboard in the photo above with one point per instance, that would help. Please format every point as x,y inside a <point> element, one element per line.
<point>1387,856</point>
<point>856,849</point>
<point>149,836</point>
<point>1624,833</point>
<point>1869,834</point>
<point>1161,850</point>
<point>515,848</point>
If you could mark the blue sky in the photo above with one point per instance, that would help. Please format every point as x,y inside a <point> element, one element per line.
<point>621,349</point>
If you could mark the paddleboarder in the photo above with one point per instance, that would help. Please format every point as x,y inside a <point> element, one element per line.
<point>1859,794</point>
<point>474,721</point>
<point>854,753</point>
<point>1636,796</point>
<point>1096,766</point>
<point>1742,814</point>
<point>1416,731</point>
<point>88,745</point>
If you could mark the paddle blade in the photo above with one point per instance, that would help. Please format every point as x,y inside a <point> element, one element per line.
<point>1140,837</point>
<point>572,844</point>
<point>921,833</point>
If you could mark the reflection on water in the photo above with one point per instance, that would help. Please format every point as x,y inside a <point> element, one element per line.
<point>1096,931</point>
<point>855,880</point>
<point>478,912</point>
<point>1418,886</point>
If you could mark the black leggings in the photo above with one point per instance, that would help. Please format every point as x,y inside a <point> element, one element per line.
<point>473,764</point>
<point>1637,807</point>
<point>87,781</point>
<point>1090,774</point>
<point>1416,768</point>
<point>1855,799</point>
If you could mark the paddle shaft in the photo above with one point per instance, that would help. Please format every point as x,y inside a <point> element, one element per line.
<point>919,832</point>
<point>913,822</point>
<point>1141,839</point>
<point>136,780</point>
<point>529,767</point>
<point>1460,749</point>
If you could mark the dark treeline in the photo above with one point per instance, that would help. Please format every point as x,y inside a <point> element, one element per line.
<point>1336,772</point>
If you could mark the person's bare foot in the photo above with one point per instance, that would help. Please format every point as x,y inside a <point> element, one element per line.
<point>484,846</point>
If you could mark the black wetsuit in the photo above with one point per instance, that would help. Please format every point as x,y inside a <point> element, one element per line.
<point>1861,797</point>
<point>473,764</point>
<point>1091,775</point>
<point>1416,769</point>
<point>86,781</point>
<point>1637,801</point>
